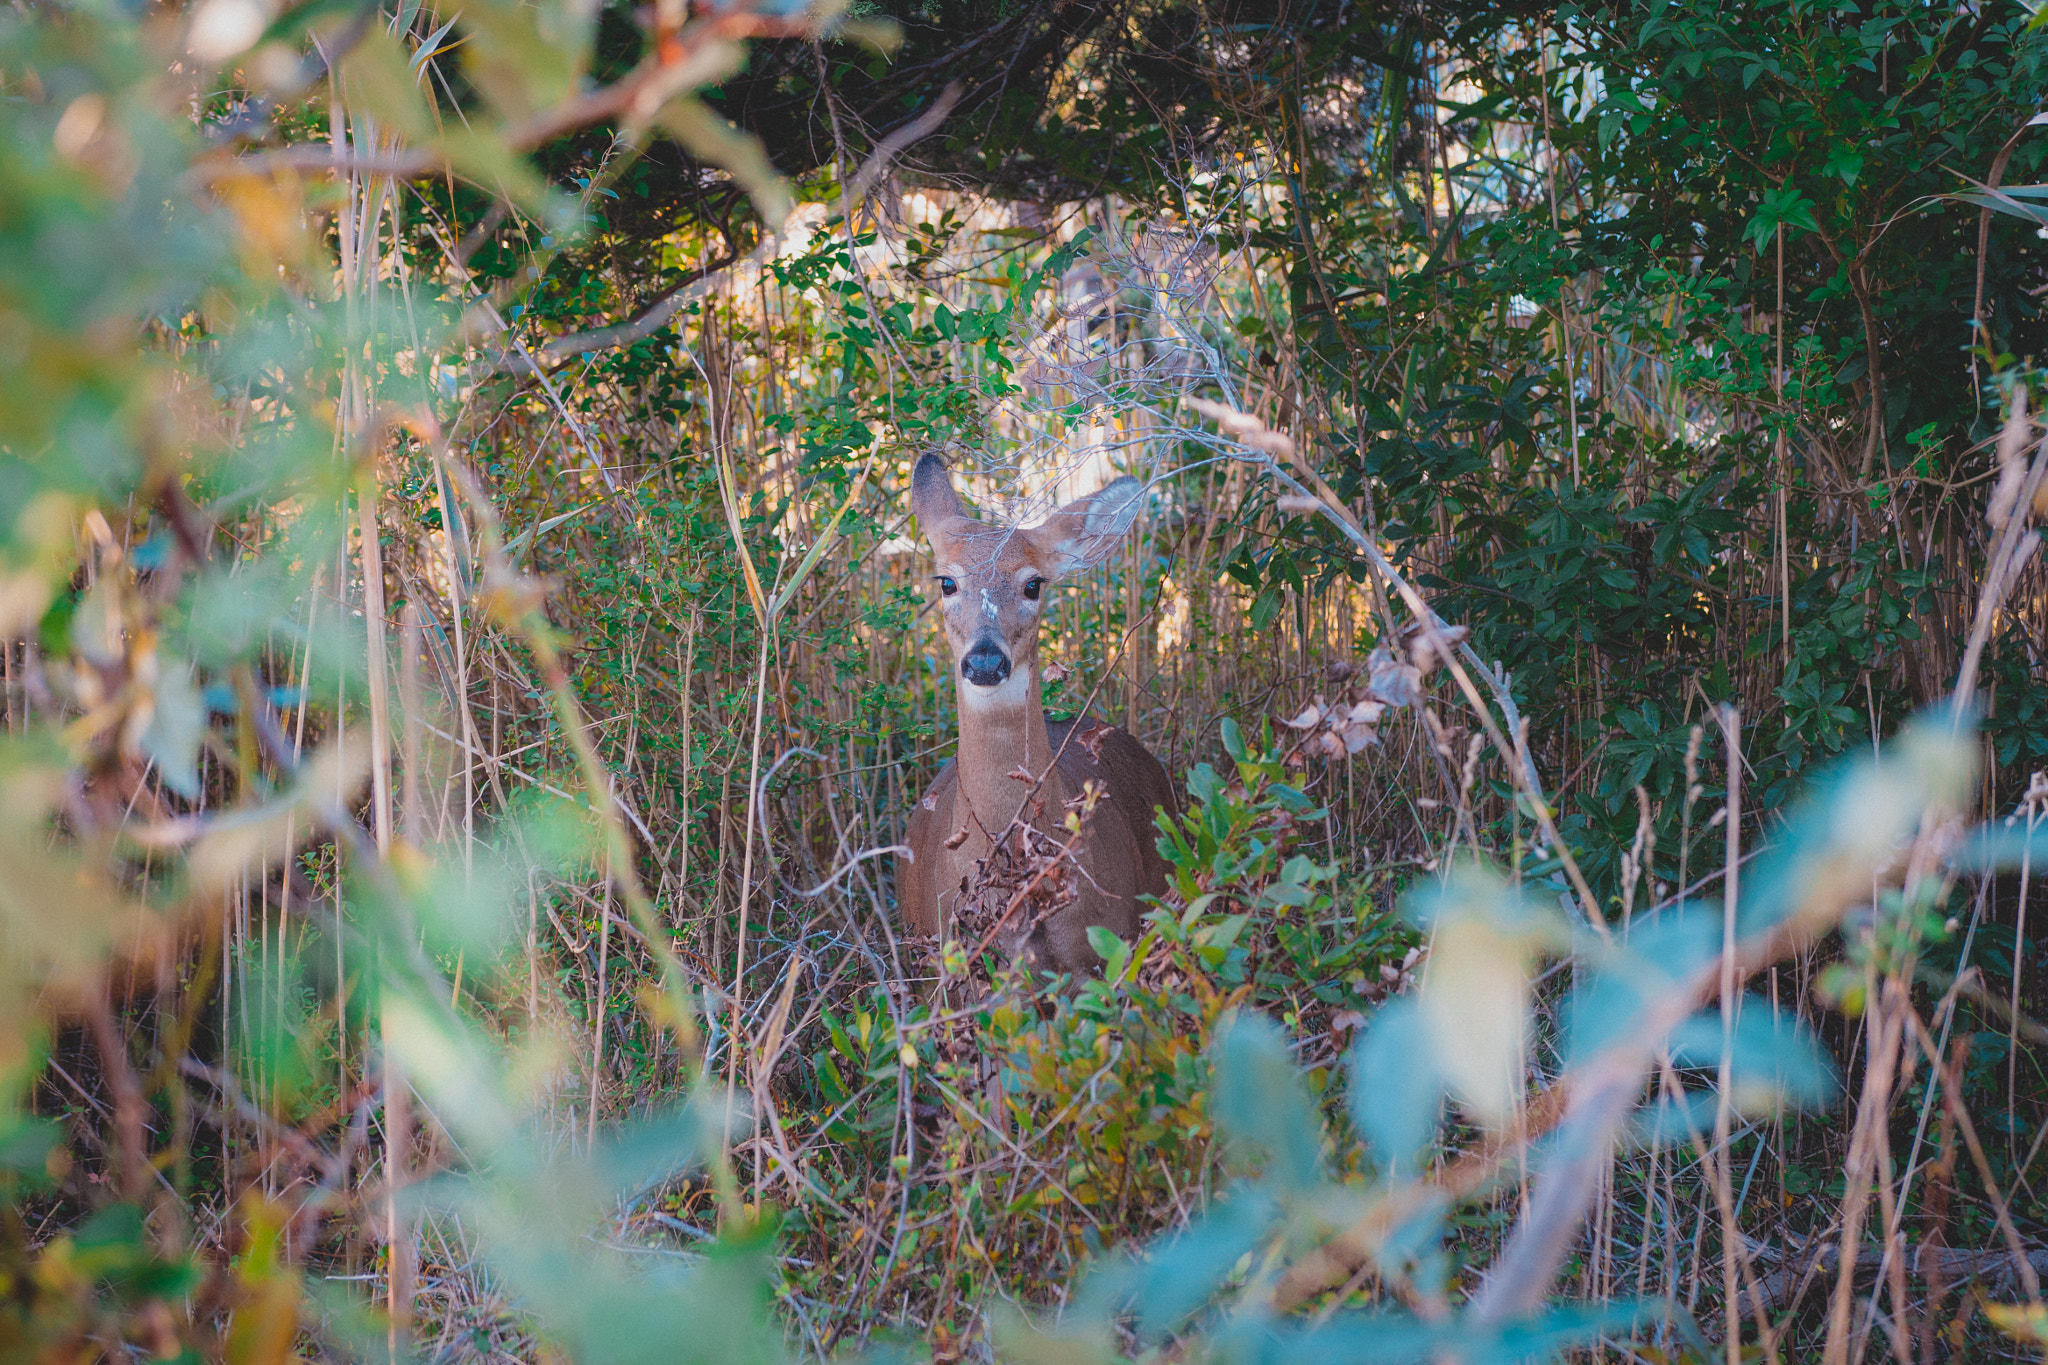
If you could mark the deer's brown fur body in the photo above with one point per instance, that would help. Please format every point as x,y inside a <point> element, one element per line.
<point>1013,765</point>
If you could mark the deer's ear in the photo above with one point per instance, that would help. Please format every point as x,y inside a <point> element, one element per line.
<point>932,499</point>
<point>1083,532</point>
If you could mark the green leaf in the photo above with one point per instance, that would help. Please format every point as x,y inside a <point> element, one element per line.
<point>377,78</point>
<point>1113,951</point>
<point>1772,1061</point>
<point>26,1144</point>
<point>177,727</point>
<point>1783,207</point>
<point>2010,202</point>
<point>1183,1272</point>
<point>1233,740</point>
<point>526,55</point>
<point>1397,1096</point>
<point>1844,163</point>
<point>1261,1107</point>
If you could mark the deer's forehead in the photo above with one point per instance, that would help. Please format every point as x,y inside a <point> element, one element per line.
<point>991,556</point>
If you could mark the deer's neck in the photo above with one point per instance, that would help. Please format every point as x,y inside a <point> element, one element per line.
<point>1000,733</point>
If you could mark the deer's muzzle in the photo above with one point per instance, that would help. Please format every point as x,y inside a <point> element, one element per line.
<point>986,665</point>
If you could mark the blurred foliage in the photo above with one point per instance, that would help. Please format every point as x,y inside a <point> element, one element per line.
<point>182,425</point>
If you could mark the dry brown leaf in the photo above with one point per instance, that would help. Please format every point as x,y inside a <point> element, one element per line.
<point>1091,737</point>
<point>1357,737</point>
<point>1423,646</point>
<point>1245,427</point>
<point>1393,680</point>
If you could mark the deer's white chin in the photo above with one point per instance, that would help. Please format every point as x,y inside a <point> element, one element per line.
<point>1007,695</point>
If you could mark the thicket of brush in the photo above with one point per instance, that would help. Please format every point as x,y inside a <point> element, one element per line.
<point>467,672</point>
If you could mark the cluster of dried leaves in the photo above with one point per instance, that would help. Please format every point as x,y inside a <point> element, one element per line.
<point>1029,875</point>
<point>1339,726</point>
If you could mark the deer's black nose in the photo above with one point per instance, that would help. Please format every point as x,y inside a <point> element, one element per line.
<point>986,665</point>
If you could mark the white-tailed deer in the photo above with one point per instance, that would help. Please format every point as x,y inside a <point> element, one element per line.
<point>989,581</point>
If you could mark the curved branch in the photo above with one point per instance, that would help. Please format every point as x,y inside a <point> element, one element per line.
<point>901,139</point>
<point>637,96</point>
<point>695,285</point>
<point>795,234</point>
<point>1977,325</point>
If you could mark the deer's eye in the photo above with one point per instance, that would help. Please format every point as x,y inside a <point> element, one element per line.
<point>1031,587</point>
<point>947,587</point>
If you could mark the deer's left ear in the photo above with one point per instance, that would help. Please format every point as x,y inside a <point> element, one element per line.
<point>1082,533</point>
<point>933,501</point>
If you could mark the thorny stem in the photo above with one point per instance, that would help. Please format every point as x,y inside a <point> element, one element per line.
<point>1586,1103</point>
<point>1601,1091</point>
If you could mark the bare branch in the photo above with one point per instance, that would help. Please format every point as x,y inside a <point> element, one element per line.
<point>794,236</point>
<point>795,232</point>
<point>898,141</point>
<point>635,97</point>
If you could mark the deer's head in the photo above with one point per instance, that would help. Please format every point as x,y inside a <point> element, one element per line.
<point>990,578</point>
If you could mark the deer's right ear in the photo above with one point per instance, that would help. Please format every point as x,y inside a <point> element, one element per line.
<point>932,499</point>
<point>1077,536</point>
